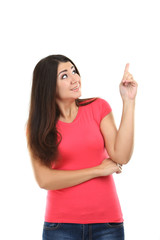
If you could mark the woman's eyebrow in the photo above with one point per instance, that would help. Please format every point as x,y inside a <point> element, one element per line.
<point>65,70</point>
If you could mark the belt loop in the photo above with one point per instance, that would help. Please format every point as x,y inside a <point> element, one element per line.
<point>90,231</point>
<point>83,226</point>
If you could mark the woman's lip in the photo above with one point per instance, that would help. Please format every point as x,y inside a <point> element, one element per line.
<point>75,90</point>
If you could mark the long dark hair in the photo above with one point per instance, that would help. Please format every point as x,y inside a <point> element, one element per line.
<point>42,135</point>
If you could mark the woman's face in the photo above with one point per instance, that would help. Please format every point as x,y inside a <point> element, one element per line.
<point>68,82</point>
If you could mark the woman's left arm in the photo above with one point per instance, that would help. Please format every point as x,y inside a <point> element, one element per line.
<point>119,143</point>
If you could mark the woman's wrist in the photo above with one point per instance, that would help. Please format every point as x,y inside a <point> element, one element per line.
<point>128,105</point>
<point>130,102</point>
<point>96,171</point>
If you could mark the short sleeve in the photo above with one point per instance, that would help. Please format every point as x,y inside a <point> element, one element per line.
<point>100,108</point>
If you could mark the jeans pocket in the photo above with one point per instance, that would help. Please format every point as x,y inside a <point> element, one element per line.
<point>114,225</point>
<point>51,226</point>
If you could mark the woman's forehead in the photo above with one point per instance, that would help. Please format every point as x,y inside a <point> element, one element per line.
<point>64,65</point>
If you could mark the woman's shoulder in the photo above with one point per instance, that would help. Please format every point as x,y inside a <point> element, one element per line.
<point>96,103</point>
<point>100,102</point>
<point>100,108</point>
<point>94,100</point>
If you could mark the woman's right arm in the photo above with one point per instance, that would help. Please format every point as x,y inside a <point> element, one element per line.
<point>52,179</point>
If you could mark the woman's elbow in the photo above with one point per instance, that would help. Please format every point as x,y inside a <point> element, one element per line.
<point>42,176</point>
<point>45,184</point>
<point>123,160</point>
<point>42,185</point>
<point>41,181</point>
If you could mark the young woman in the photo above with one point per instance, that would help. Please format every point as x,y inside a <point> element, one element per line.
<point>75,148</point>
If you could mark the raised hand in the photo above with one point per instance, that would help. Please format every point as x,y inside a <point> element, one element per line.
<point>128,86</point>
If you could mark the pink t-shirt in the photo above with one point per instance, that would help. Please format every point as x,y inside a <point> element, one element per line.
<point>82,146</point>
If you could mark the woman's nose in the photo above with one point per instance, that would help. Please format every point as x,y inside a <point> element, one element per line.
<point>73,80</point>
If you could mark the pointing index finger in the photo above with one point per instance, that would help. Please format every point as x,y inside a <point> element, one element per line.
<point>126,68</point>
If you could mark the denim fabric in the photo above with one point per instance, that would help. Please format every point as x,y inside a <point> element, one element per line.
<point>74,231</point>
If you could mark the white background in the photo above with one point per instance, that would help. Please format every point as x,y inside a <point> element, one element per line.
<point>100,37</point>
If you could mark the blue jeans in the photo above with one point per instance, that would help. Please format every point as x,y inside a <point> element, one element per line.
<point>74,231</point>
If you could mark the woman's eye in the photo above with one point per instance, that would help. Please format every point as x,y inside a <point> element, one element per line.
<point>74,71</point>
<point>64,76</point>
